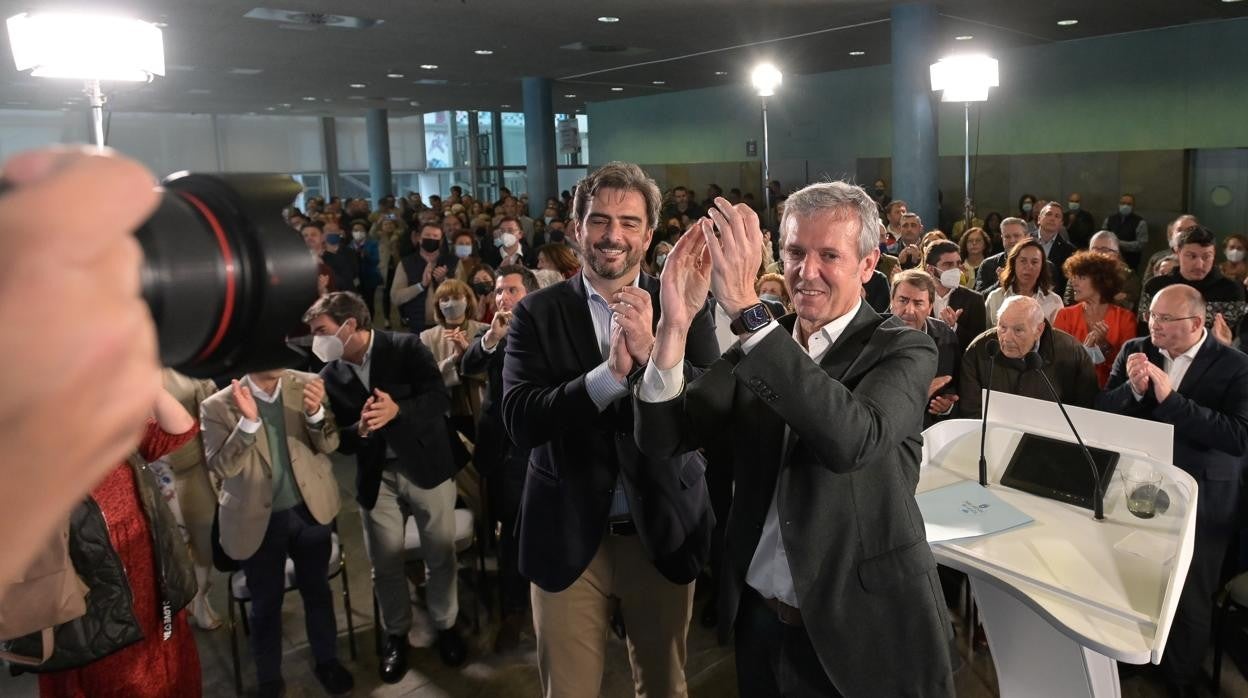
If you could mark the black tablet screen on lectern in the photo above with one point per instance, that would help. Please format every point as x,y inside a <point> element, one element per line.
<point>1057,469</point>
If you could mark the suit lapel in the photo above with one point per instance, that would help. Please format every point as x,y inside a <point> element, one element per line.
<point>292,402</point>
<point>579,324</point>
<point>377,361</point>
<point>1200,364</point>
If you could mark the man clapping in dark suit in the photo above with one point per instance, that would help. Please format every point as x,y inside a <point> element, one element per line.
<point>1180,374</point>
<point>600,523</point>
<point>388,393</point>
<point>828,578</point>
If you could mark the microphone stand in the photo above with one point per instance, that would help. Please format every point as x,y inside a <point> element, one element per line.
<point>1035,363</point>
<point>994,348</point>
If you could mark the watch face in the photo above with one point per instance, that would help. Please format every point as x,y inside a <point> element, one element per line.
<point>755,317</point>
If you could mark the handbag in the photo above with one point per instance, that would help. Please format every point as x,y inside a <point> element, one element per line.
<point>44,595</point>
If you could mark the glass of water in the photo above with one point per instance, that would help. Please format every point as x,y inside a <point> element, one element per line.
<point>1141,484</point>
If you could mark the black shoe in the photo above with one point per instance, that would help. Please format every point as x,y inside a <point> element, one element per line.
<point>272,689</point>
<point>334,677</point>
<point>451,647</point>
<point>393,658</point>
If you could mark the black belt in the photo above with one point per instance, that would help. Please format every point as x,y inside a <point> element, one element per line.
<point>622,528</point>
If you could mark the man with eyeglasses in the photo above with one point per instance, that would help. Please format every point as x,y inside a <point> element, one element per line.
<point>1181,375</point>
<point>1196,247</point>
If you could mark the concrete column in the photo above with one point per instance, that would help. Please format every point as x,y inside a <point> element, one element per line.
<point>378,127</point>
<point>914,122</point>
<point>329,142</point>
<point>539,141</point>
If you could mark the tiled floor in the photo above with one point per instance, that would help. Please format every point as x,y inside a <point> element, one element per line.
<point>711,671</point>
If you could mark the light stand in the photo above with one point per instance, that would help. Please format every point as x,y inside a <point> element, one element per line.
<point>965,79</point>
<point>766,78</point>
<point>92,48</point>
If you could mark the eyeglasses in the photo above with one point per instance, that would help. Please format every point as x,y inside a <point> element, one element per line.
<point>1164,319</point>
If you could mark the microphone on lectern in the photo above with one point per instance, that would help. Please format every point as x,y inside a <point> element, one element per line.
<point>994,348</point>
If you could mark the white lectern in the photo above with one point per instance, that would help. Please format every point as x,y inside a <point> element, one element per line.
<point>1060,599</point>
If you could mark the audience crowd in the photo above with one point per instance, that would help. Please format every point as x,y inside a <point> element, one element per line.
<point>472,356</point>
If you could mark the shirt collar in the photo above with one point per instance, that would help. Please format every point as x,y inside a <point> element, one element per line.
<point>259,392</point>
<point>827,335</point>
<point>368,353</point>
<point>1190,354</point>
<point>592,292</point>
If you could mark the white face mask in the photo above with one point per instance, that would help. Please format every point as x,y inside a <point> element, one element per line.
<point>1236,255</point>
<point>328,347</point>
<point>358,235</point>
<point>453,309</point>
<point>506,240</point>
<point>951,278</point>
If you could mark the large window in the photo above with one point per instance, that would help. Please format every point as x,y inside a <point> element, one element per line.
<point>514,152</point>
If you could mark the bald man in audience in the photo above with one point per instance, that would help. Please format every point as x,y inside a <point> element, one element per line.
<point>1022,329</point>
<point>1181,375</point>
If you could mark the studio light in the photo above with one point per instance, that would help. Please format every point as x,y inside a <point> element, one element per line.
<point>966,79</point>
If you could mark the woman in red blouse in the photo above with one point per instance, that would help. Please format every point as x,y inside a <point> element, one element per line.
<point>164,662</point>
<point>1094,319</point>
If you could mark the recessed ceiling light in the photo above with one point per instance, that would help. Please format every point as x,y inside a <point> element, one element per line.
<point>608,20</point>
<point>309,99</point>
<point>659,82</point>
<point>270,108</point>
<point>617,89</point>
<point>857,53</point>
<point>721,72</point>
<point>1230,0</point>
<point>428,66</point>
<point>414,104</point>
<point>569,96</point>
<point>963,37</point>
<point>357,85</point>
<point>395,75</point>
<point>1067,22</point>
<point>285,104</point>
<point>483,52</point>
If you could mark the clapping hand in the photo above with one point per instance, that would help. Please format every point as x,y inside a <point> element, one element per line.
<point>379,410</point>
<point>458,341</point>
<point>1221,331</point>
<point>735,255</point>
<point>244,400</point>
<point>1096,335</point>
<point>619,360</point>
<point>950,316</point>
<point>633,314</point>
<point>1138,373</point>
<point>313,393</point>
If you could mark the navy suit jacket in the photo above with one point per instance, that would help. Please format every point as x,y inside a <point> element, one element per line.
<point>578,452</point>
<point>403,368</point>
<point>1209,411</point>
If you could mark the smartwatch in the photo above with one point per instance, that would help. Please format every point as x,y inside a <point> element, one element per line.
<point>752,319</point>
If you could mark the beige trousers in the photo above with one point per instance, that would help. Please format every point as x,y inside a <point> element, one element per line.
<point>572,625</point>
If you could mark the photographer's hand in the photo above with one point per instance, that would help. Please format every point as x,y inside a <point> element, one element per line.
<point>80,370</point>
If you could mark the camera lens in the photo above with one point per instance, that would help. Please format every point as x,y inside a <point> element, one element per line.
<point>225,278</point>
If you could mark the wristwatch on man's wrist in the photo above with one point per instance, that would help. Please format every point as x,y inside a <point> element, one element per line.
<point>752,319</point>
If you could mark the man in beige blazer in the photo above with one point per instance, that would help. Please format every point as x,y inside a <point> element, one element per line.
<point>266,436</point>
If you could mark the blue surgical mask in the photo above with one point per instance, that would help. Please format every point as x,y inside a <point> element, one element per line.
<point>1124,209</point>
<point>1072,205</point>
<point>769,297</point>
<point>463,251</point>
<point>659,259</point>
<point>1026,207</point>
<point>333,238</point>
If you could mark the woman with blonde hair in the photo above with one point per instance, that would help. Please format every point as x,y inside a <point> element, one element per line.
<point>454,306</point>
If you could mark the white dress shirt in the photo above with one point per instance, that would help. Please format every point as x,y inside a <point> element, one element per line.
<point>1177,366</point>
<point>251,426</point>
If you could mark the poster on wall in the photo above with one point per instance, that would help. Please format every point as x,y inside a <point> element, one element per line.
<point>569,136</point>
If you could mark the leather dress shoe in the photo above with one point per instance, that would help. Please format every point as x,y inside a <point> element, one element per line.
<point>334,677</point>
<point>451,647</point>
<point>393,658</point>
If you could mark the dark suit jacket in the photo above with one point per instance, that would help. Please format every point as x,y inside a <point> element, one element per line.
<point>974,318</point>
<point>578,452</point>
<point>1058,254</point>
<point>402,367</point>
<point>492,444</point>
<point>1209,411</point>
<point>863,572</point>
<point>986,274</point>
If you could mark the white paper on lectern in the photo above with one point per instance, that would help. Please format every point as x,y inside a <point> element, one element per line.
<point>966,510</point>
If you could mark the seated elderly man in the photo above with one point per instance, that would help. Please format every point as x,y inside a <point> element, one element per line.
<point>914,292</point>
<point>1022,329</point>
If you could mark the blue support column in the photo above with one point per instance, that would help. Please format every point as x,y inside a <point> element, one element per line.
<point>914,123</point>
<point>539,141</point>
<point>378,128</point>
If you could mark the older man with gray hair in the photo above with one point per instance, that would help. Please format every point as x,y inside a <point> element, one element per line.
<point>1105,242</point>
<point>828,579</point>
<point>1021,329</point>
